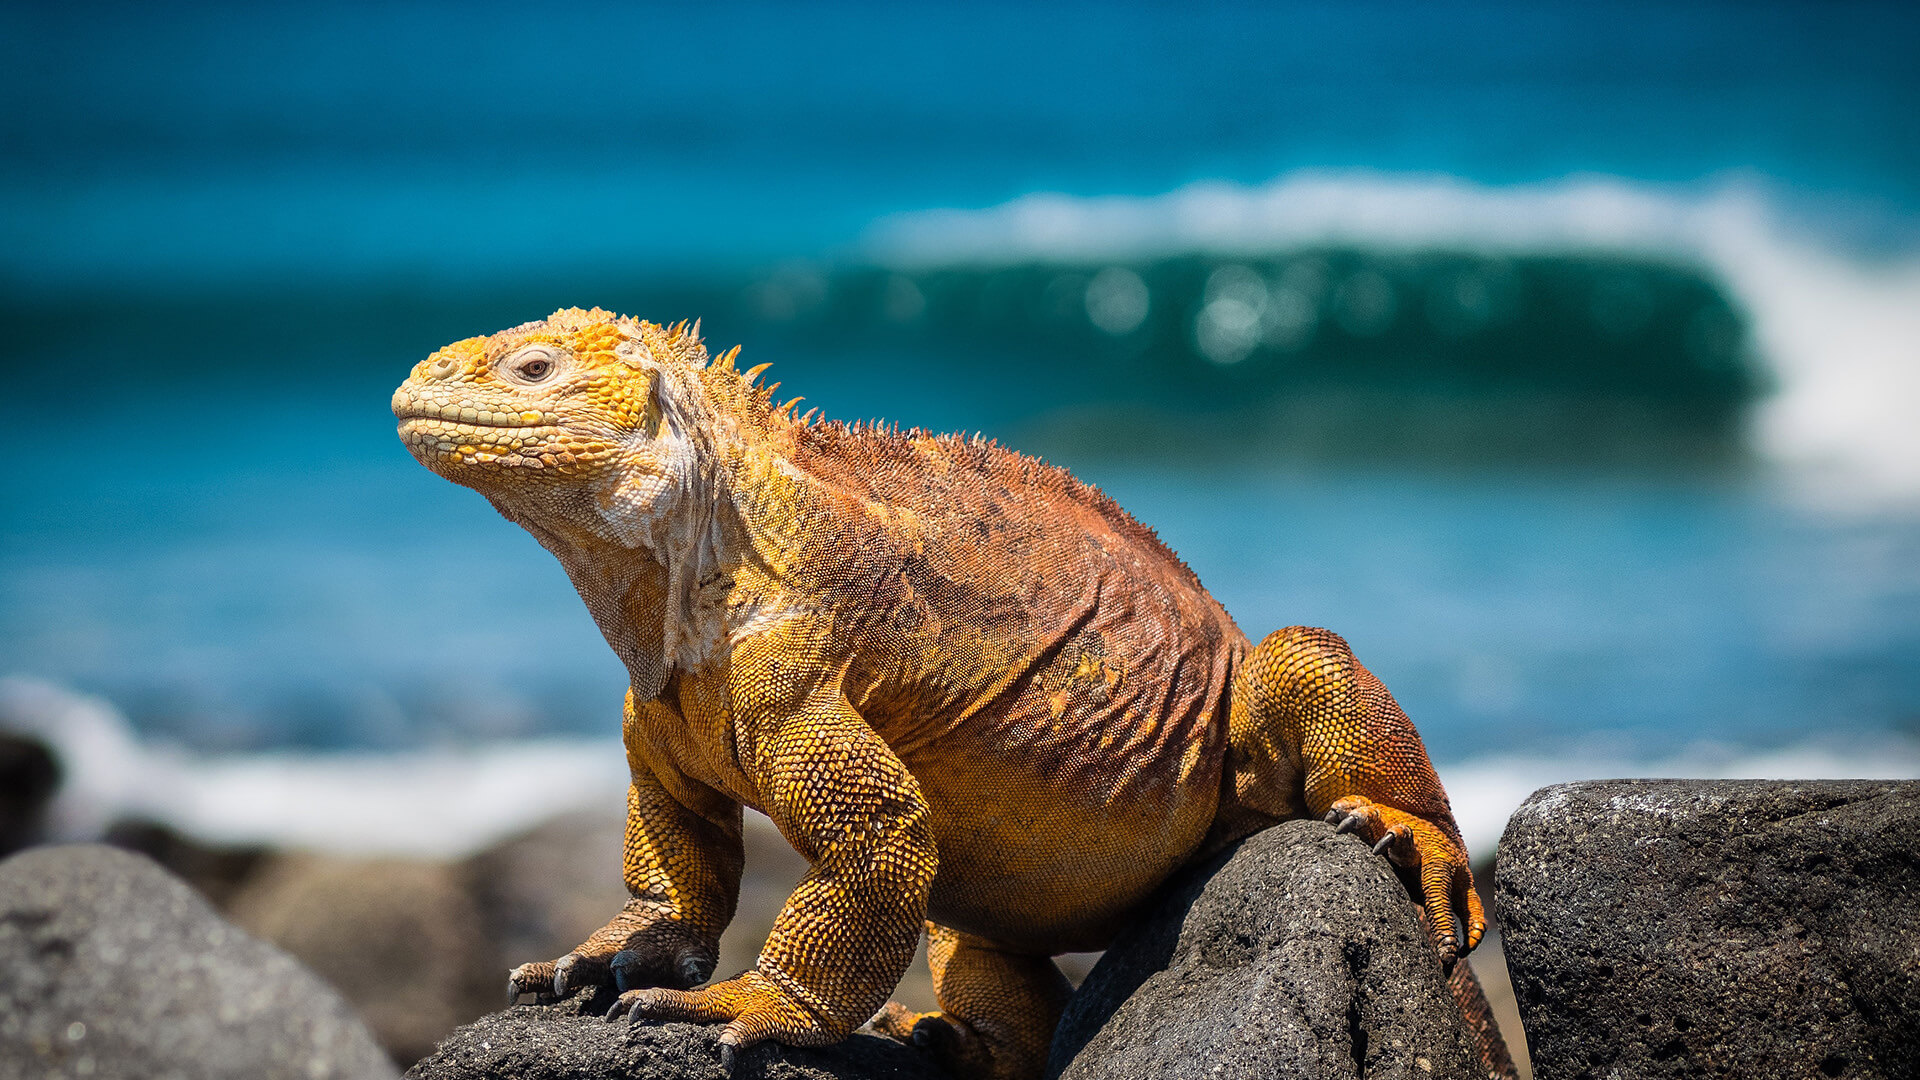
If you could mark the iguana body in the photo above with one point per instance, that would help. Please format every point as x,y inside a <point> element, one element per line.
<point>968,688</point>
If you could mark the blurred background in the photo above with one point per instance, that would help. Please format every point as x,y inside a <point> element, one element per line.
<point>1565,359</point>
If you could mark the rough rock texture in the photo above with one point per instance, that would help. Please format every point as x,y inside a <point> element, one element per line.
<point>1716,928</point>
<point>114,968</point>
<point>1298,954</point>
<point>570,1041</point>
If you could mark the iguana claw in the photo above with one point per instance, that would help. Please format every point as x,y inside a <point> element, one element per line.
<point>1453,913</point>
<point>573,971</point>
<point>632,969</point>
<point>534,978</point>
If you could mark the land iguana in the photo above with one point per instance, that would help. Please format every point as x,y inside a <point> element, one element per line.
<point>971,690</point>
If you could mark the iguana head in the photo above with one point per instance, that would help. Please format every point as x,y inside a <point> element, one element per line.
<point>581,418</point>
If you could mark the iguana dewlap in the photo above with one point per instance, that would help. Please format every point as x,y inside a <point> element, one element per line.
<point>970,689</point>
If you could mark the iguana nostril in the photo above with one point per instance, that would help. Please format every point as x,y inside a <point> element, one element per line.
<point>442,368</point>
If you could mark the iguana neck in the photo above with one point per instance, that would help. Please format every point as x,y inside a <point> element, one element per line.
<point>657,548</point>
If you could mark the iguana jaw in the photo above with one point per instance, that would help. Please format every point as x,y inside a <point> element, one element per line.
<point>446,445</point>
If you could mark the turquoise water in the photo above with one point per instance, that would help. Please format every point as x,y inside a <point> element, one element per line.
<point>1565,368</point>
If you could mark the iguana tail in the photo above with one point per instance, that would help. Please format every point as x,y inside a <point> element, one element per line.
<point>1495,1062</point>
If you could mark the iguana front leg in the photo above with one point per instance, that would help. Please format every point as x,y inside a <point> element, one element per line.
<point>848,931</point>
<point>1306,712</point>
<point>682,860</point>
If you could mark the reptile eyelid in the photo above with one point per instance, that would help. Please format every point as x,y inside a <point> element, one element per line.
<point>515,364</point>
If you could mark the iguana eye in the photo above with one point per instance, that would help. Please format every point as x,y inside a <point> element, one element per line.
<point>533,366</point>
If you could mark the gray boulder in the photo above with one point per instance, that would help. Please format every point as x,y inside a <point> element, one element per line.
<point>1737,928</point>
<point>570,1041</point>
<point>114,968</point>
<point>1296,954</point>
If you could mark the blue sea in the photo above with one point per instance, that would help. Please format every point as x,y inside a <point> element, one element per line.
<point>1565,359</point>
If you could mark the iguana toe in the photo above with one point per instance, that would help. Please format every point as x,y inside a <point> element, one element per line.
<point>1397,846</point>
<point>533,978</point>
<point>665,954</point>
<point>689,965</point>
<point>753,1007</point>
<point>946,1038</point>
<point>1355,815</point>
<point>936,1035</point>
<point>733,1054</point>
<point>1454,916</point>
<point>574,970</point>
<point>895,1021</point>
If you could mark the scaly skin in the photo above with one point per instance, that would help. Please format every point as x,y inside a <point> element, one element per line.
<point>971,690</point>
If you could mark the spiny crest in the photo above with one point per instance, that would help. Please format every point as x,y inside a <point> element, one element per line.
<point>597,332</point>
<point>871,442</point>
<point>678,343</point>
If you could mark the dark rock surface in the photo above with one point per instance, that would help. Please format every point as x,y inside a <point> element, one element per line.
<point>29,775</point>
<point>1297,954</point>
<point>1662,928</point>
<point>114,968</point>
<point>570,1041</point>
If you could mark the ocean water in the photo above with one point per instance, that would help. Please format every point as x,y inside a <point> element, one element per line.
<point>1565,360</point>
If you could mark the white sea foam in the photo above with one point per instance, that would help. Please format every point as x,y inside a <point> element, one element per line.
<point>1840,335</point>
<point>447,803</point>
<point>440,802</point>
<point>1486,791</point>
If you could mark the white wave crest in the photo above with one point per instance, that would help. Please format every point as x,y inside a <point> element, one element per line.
<point>437,803</point>
<point>1840,335</point>
<point>1486,791</point>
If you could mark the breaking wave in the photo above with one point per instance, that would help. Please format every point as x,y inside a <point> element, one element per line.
<point>1833,337</point>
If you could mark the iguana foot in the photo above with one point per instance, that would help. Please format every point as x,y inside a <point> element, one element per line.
<point>1455,917</point>
<point>948,1038</point>
<point>896,1021</point>
<point>754,1007</point>
<point>627,954</point>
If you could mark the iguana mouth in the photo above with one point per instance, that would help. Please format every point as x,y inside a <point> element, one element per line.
<point>475,416</point>
<point>481,441</point>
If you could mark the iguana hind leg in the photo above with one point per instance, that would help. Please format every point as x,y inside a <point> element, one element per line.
<point>1313,732</point>
<point>997,1009</point>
